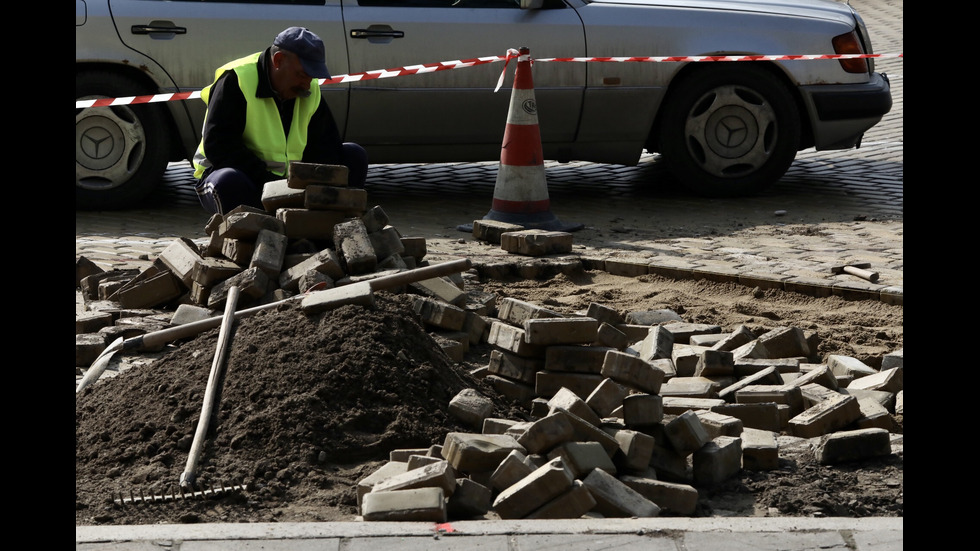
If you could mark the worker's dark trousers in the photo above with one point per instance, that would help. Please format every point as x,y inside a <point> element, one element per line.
<point>226,188</point>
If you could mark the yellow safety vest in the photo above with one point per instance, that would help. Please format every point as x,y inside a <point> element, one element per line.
<point>264,134</point>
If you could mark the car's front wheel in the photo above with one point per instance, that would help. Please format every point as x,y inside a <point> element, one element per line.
<point>120,151</point>
<point>729,130</point>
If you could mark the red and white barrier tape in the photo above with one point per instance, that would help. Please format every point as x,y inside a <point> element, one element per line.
<point>460,64</point>
<point>723,57</point>
<point>413,70</point>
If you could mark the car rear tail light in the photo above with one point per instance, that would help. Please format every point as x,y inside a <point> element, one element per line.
<point>850,43</point>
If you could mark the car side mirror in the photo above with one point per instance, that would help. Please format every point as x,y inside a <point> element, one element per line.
<point>531,4</point>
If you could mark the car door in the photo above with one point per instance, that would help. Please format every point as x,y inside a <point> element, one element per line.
<point>457,108</point>
<point>190,39</point>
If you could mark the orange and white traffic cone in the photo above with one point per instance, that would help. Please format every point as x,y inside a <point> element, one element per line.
<point>520,195</point>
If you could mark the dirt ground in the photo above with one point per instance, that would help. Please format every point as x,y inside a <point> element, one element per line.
<point>311,404</point>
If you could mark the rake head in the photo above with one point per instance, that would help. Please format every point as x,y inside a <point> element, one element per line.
<point>179,494</point>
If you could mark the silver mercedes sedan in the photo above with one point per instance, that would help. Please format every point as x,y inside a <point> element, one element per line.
<point>727,91</point>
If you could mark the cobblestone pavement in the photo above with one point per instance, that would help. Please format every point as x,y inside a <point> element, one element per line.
<point>830,207</point>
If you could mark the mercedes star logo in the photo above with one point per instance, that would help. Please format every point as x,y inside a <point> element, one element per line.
<point>97,143</point>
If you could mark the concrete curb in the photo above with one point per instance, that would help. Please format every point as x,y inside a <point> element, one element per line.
<point>671,527</point>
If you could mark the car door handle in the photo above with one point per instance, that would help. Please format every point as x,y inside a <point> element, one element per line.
<point>164,27</point>
<point>371,33</point>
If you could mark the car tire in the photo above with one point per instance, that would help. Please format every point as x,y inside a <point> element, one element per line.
<point>731,130</point>
<point>120,151</point>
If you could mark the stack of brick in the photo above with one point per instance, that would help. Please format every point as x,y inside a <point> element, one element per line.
<point>455,315</point>
<point>314,232</point>
<point>627,427</point>
<point>518,240</point>
<point>515,238</point>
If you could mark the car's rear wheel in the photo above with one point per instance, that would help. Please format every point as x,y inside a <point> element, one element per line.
<point>729,130</point>
<point>120,151</point>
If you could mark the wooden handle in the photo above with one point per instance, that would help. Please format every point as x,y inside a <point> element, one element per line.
<point>419,274</point>
<point>213,388</point>
<point>863,274</point>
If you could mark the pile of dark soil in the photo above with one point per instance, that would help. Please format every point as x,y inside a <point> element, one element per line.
<point>309,405</point>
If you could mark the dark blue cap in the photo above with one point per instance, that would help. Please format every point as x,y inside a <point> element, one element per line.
<point>308,47</point>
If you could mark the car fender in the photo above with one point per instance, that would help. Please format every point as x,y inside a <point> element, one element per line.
<point>99,47</point>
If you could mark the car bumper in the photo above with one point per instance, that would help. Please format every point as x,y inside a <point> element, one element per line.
<point>841,113</point>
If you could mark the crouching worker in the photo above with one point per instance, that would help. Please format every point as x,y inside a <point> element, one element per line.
<point>264,111</point>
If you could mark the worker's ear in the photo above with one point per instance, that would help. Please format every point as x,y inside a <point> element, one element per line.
<point>277,58</point>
